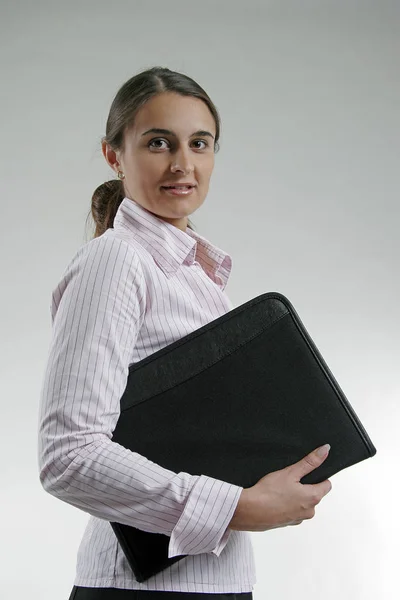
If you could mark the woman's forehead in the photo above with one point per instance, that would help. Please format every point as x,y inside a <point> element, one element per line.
<point>181,115</point>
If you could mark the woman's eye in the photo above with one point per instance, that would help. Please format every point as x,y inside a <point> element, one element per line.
<point>162,140</point>
<point>202,141</point>
<point>152,142</point>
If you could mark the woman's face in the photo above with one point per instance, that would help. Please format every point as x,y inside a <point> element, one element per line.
<point>151,160</point>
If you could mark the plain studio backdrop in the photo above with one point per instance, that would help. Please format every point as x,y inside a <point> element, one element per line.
<point>304,196</point>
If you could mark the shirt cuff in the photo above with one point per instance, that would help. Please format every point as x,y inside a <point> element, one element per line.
<point>203,524</point>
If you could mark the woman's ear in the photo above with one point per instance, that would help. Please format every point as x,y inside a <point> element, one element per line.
<point>111,156</point>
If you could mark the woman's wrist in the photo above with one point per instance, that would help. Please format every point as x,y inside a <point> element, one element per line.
<point>240,516</point>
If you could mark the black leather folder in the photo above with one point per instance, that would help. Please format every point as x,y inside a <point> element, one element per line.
<point>247,394</point>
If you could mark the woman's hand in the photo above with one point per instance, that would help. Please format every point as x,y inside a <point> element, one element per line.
<point>279,499</point>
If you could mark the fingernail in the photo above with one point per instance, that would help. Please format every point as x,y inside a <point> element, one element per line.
<point>323,450</point>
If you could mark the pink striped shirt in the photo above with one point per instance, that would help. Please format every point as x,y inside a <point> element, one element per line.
<point>135,289</point>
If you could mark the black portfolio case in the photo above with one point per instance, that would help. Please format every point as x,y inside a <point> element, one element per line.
<point>247,394</point>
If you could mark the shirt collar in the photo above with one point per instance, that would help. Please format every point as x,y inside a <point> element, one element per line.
<point>171,247</point>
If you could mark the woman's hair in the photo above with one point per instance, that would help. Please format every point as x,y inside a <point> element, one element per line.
<point>133,94</point>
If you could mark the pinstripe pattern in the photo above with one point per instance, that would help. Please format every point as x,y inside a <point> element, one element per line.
<point>124,295</point>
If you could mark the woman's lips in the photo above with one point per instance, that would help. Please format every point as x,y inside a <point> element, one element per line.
<point>178,192</point>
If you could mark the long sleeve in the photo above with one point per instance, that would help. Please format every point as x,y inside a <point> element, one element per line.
<point>97,312</point>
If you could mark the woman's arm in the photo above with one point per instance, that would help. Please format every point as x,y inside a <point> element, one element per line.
<point>97,311</point>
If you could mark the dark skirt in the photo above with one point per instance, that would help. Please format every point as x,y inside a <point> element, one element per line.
<point>88,593</point>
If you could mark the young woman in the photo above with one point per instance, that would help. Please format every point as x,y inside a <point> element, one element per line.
<point>143,281</point>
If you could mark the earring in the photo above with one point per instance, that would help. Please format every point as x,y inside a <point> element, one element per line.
<point>120,175</point>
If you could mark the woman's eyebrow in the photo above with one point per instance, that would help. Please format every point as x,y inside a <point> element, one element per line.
<point>168,132</point>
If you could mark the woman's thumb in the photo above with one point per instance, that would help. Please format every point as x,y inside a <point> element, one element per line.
<point>311,461</point>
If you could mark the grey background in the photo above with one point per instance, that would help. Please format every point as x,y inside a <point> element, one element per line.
<point>304,196</point>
